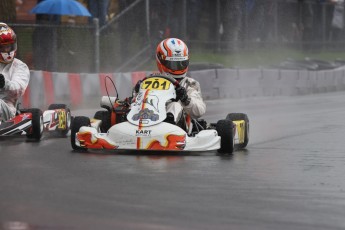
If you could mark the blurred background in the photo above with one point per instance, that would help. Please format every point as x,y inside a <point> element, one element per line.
<point>122,35</point>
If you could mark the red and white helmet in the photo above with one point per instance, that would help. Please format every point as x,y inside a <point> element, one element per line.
<point>172,57</point>
<point>8,43</point>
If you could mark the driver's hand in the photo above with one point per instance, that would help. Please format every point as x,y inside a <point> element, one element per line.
<point>2,81</point>
<point>181,94</point>
<point>137,86</point>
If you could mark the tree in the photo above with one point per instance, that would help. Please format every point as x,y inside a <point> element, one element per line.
<point>8,11</point>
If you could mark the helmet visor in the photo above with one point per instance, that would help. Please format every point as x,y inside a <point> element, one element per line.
<point>176,65</point>
<point>6,48</point>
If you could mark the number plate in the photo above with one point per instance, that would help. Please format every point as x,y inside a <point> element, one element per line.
<point>156,84</point>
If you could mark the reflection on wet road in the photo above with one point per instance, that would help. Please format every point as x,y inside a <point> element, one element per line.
<point>290,177</point>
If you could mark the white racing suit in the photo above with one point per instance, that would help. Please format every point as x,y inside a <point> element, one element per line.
<point>17,76</point>
<point>196,108</point>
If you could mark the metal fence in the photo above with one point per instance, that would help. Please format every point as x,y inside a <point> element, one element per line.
<point>127,42</point>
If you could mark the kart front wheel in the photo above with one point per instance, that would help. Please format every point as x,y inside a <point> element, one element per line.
<point>76,124</point>
<point>36,124</point>
<point>225,129</point>
<point>239,117</point>
<point>68,117</point>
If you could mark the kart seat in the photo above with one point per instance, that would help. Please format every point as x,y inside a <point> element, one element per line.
<point>107,102</point>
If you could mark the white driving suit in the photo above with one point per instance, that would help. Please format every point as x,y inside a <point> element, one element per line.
<point>17,76</point>
<point>196,108</point>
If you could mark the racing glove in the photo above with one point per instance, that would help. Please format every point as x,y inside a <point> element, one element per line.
<point>181,94</point>
<point>2,81</point>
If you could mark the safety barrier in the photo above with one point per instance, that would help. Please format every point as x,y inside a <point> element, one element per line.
<point>76,89</point>
<point>86,89</point>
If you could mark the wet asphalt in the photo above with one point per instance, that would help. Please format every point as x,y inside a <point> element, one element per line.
<point>291,176</point>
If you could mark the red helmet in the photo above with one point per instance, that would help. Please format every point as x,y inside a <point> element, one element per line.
<point>172,57</point>
<point>8,43</point>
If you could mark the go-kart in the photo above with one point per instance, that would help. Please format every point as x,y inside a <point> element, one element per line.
<point>33,122</point>
<point>143,124</point>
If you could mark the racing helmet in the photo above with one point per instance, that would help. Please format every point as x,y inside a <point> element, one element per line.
<point>8,43</point>
<point>172,57</point>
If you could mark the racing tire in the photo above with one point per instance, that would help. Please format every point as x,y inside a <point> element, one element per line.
<point>225,129</point>
<point>68,117</point>
<point>237,117</point>
<point>37,125</point>
<point>104,116</point>
<point>76,124</point>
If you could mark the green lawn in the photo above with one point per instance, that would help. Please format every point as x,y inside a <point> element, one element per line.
<point>255,59</point>
<point>262,58</point>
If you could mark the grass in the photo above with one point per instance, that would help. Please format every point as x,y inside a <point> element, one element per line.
<point>255,59</point>
<point>262,58</point>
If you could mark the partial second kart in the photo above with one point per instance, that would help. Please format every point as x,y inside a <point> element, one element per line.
<point>32,122</point>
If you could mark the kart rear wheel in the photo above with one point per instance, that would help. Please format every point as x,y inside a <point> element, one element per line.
<point>76,124</point>
<point>37,125</point>
<point>237,117</point>
<point>104,116</point>
<point>68,117</point>
<point>225,129</point>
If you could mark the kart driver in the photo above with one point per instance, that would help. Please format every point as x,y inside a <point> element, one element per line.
<point>14,74</point>
<point>173,59</point>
